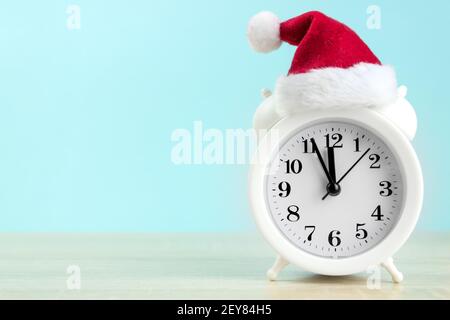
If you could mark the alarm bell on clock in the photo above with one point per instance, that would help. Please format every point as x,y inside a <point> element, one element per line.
<point>340,189</point>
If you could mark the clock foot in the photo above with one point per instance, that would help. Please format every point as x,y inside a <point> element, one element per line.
<point>396,275</point>
<point>279,265</point>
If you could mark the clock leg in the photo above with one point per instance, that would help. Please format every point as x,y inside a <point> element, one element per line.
<point>396,275</point>
<point>279,265</point>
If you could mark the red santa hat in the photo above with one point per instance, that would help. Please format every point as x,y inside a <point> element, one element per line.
<point>332,66</point>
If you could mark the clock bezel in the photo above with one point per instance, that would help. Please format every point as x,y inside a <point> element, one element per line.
<point>409,167</point>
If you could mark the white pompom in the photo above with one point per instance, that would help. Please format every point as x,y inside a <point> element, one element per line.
<point>264,32</point>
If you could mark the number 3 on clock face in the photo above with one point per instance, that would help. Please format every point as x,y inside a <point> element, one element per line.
<point>335,190</point>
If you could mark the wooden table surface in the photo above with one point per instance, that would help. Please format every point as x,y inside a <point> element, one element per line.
<point>203,266</point>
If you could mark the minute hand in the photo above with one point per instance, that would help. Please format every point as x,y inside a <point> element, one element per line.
<point>322,163</point>
<point>348,171</point>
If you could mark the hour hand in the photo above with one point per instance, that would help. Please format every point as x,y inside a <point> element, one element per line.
<point>333,188</point>
<point>331,164</point>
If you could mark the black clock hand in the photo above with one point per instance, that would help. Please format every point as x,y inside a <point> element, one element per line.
<point>348,171</point>
<point>331,164</point>
<point>324,167</point>
<point>333,187</point>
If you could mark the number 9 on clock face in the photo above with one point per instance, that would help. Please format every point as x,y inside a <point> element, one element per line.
<point>334,190</point>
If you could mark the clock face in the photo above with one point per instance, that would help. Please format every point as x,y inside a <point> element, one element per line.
<point>334,190</point>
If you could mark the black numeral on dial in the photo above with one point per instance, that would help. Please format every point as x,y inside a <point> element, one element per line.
<point>293,166</point>
<point>313,228</point>
<point>361,233</point>
<point>285,189</point>
<point>333,238</point>
<point>357,145</point>
<point>387,189</point>
<point>376,161</point>
<point>307,146</point>
<point>293,214</point>
<point>334,140</point>
<point>377,214</point>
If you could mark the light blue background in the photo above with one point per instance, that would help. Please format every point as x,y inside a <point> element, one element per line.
<point>86,115</point>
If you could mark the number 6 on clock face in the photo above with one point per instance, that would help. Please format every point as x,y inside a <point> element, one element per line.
<point>345,220</point>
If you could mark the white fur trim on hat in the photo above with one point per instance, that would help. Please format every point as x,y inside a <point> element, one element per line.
<point>363,85</point>
<point>264,32</point>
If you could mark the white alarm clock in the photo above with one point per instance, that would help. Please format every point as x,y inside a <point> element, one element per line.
<point>335,191</point>
<point>335,186</point>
